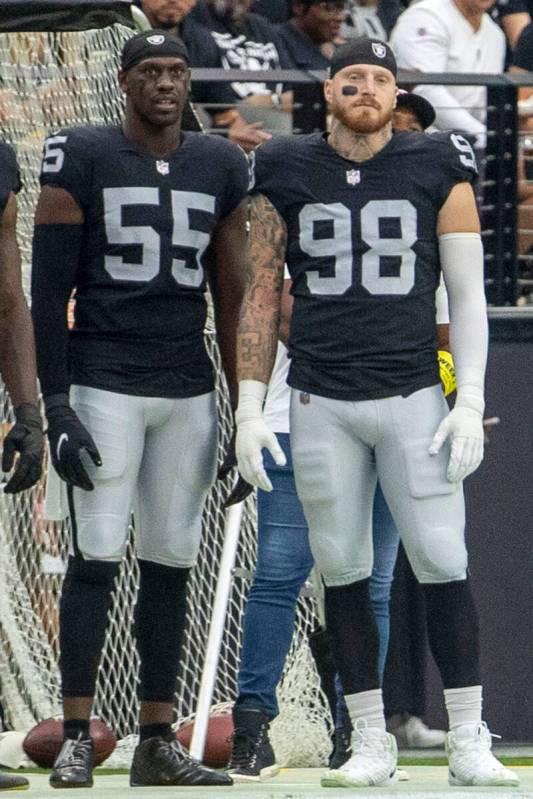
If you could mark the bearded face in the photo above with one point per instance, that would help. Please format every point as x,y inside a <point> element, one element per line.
<point>362,97</point>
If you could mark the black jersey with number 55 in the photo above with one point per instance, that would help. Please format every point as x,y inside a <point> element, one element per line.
<point>363,256</point>
<point>140,289</point>
<point>9,174</point>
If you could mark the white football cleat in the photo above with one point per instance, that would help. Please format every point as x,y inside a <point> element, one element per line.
<point>470,761</point>
<point>373,760</point>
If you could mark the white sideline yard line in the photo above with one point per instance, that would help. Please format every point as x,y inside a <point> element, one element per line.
<point>427,782</point>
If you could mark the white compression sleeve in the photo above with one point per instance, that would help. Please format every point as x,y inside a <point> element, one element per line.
<point>461,256</point>
<point>441,304</point>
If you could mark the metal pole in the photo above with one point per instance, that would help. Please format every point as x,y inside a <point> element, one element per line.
<point>229,550</point>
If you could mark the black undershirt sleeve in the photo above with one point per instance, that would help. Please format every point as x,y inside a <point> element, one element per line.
<point>56,251</point>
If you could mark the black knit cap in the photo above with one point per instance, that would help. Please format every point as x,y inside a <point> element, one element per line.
<point>363,50</point>
<point>152,44</point>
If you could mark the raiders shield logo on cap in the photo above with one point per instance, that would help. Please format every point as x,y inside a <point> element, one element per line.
<point>155,39</point>
<point>379,50</point>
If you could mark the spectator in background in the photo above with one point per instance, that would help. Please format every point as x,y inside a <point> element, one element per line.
<point>309,35</point>
<point>513,16</point>
<point>413,113</point>
<point>451,36</point>
<point>523,63</point>
<point>404,680</point>
<point>173,16</point>
<point>389,11</point>
<point>364,19</point>
<point>277,11</point>
<point>523,59</point>
<point>238,39</point>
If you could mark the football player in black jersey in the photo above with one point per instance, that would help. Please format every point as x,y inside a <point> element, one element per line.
<point>17,350</point>
<point>137,219</point>
<point>366,220</point>
<point>17,363</point>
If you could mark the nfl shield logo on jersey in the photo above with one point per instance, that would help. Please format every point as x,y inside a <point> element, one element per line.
<point>379,50</point>
<point>353,177</point>
<point>162,167</point>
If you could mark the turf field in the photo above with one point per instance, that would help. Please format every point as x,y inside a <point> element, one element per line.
<point>426,781</point>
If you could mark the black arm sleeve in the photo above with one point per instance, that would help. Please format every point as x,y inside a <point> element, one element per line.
<point>9,174</point>
<point>56,250</point>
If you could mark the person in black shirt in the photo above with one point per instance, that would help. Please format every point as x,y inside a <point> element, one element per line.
<point>513,16</point>
<point>310,33</point>
<point>523,54</point>
<point>238,39</point>
<point>17,350</point>
<point>17,364</point>
<point>366,220</point>
<point>137,219</point>
<point>276,11</point>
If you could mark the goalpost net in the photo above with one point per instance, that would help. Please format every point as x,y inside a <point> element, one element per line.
<point>50,80</point>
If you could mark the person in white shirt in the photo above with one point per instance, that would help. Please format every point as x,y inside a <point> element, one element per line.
<point>451,36</point>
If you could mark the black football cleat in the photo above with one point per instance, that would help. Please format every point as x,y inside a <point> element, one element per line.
<point>74,764</point>
<point>157,761</point>
<point>13,782</point>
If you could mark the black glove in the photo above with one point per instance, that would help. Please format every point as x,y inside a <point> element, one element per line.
<point>241,489</point>
<point>67,437</point>
<point>25,437</point>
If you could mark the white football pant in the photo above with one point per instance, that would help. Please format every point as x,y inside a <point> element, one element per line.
<point>340,449</point>
<point>159,459</point>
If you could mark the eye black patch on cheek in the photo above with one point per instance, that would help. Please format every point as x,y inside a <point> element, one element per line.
<point>350,90</point>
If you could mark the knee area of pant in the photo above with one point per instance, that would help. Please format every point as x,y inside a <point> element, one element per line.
<point>93,572</point>
<point>440,566</point>
<point>279,581</point>
<point>441,576</point>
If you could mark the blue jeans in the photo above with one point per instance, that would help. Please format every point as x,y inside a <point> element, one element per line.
<point>284,561</point>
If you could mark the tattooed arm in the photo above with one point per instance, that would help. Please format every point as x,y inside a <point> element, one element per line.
<point>257,339</point>
<point>257,335</point>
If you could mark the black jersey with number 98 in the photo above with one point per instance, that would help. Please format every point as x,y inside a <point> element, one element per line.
<point>363,256</point>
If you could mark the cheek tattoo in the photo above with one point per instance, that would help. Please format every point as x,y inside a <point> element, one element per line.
<point>350,90</point>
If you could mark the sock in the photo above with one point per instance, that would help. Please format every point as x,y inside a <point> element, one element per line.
<point>155,730</point>
<point>75,728</point>
<point>159,621</point>
<point>463,705</point>
<point>353,635</point>
<point>85,601</point>
<point>367,705</point>
<point>453,632</point>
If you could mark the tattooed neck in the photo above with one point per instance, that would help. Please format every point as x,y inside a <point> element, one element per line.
<point>358,146</point>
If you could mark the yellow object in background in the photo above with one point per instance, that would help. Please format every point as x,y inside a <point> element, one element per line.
<point>447,372</point>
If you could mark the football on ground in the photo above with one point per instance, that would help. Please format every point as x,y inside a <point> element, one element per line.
<point>217,750</point>
<point>43,742</point>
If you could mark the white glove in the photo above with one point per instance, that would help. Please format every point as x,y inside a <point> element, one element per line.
<point>253,434</point>
<point>465,426</point>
